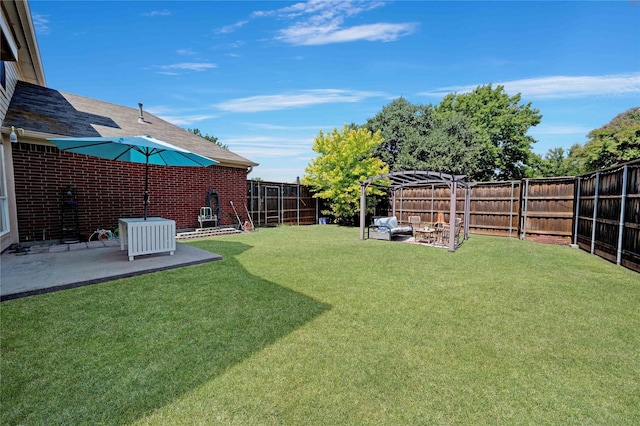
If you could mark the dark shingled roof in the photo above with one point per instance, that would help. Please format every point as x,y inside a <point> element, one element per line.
<point>46,110</point>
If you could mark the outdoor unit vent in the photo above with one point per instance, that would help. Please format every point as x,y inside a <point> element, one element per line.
<point>141,116</point>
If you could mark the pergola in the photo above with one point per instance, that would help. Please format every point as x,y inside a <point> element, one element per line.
<point>417,178</point>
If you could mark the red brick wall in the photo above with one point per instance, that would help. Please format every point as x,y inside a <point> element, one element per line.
<point>108,190</point>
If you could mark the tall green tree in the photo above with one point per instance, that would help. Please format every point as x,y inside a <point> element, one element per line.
<point>417,137</point>
<point>401,125</point>
<point>208,137</point>
<point>344,159</point>
<point>558,162</point>
<point>501,123</point>
<point>616,142</point>
<point>449,146</point>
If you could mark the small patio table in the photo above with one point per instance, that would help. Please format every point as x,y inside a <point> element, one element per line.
<point>153,235</point>
<point>424,234</point>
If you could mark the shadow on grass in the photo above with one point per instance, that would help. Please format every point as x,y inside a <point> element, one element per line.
<point>115,352</point>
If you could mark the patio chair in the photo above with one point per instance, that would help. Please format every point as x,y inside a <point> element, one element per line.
<point>415,223</point>
<point>206,216</point>
<point>443,233</point>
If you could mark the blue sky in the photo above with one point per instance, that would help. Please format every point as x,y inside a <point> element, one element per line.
<point>265,77</point>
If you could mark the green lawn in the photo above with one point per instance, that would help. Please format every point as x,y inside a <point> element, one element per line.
<point>310,325</point>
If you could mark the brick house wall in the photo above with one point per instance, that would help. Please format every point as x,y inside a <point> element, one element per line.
<point>108,190</point>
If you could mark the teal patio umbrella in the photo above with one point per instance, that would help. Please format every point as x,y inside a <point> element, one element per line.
<point>134,149</point>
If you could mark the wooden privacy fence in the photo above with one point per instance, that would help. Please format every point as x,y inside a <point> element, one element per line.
<point>608,214</point>
<point>535,209</point>
<point>600,211</point>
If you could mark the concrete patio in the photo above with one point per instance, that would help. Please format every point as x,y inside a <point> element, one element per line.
<point>47,268</point>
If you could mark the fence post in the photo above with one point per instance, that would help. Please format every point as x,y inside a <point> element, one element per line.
<point>575,225</point>
<point>595,213</point>
<point>401,203</point>
<point>281,202</point>
<point>623,202</point>
<point>433,188</point>
<point>524,216</point>
<point>467,211</point>
<point>259,217</point>
<point>511,208</point>
<point>298,200</point>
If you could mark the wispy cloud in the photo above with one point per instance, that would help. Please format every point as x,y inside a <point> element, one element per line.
<point>318,22</point>
<point>298,99</point>
<point>269,146</point>
<point>177,117</point>
<point>186,120</point>
<point>559,87</point>
<point>231,28</point>
<point>189,66</point>
<point>186,52</point>
<point>310,36</point>
<point>559,130</point>
<point>153,13</point>
<point>41,24</point>
<point>267,126</point>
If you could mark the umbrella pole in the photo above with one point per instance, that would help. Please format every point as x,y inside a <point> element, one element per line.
<point>146,187</point>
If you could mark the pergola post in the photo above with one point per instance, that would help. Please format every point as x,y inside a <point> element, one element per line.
<point>393,203</point>
<point>363,208</point>
<point>452,217</point>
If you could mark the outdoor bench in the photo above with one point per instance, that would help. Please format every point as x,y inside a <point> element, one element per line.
<point>387,227</point>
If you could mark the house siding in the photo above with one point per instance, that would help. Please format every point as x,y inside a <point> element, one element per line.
<point>11,78</point>
<point>9,230</point>
<point>109,190</point>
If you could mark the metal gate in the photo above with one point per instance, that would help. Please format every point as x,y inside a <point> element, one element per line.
<point>272,205</point>
<point>276,203</point>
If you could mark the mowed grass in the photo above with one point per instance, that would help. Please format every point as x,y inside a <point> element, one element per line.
<point>310,325</point>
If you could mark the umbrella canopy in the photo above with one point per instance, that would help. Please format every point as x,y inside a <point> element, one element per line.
<point>134,149</point>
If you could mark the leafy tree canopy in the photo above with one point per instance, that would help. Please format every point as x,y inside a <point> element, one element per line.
<point>501,124</point>
<point>449,146</point>
<point>401,124</point>
<point>418,137</point>
<point>558,162</point>
<point>213,139</point>
<point>344,159</point>
<point>614,143</point>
